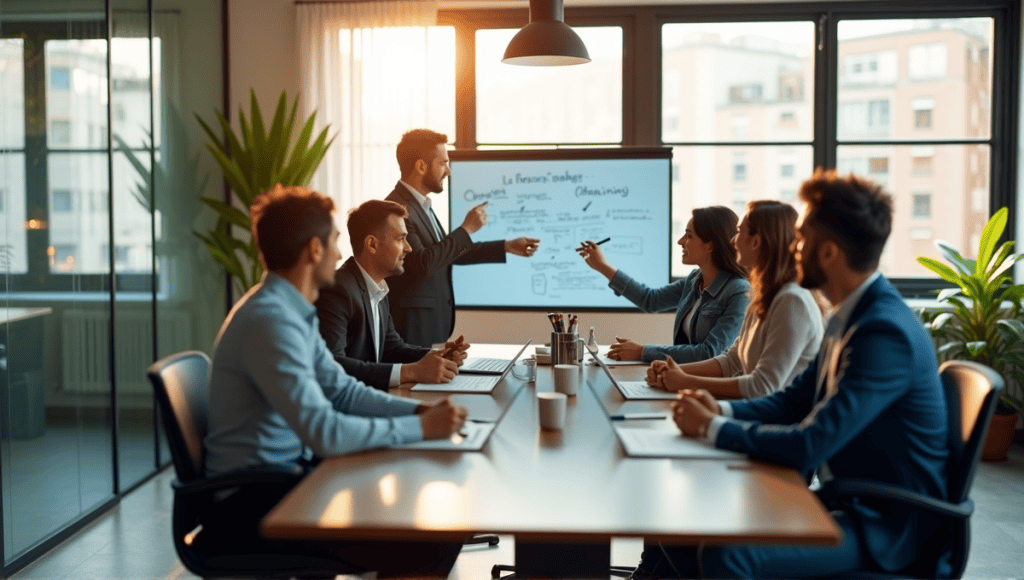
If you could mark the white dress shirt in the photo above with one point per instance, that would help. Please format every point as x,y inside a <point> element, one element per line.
<point>426,203</point>
<point>377,293</point>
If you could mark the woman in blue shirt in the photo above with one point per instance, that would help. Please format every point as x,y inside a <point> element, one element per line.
<point>709,303</point>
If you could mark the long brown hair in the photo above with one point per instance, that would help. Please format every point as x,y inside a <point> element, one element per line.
<point>775,267</point>
<point>717,224</point>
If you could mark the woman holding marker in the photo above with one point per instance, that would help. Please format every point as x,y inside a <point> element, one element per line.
<point>709,303</point>
<point>783,327</point>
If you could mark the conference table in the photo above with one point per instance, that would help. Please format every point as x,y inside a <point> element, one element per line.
<point>562,494</point>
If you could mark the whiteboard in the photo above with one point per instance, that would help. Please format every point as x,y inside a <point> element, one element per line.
<point>563,197</point>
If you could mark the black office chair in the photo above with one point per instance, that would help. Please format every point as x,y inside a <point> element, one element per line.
<point>180,384</point>
<point>972,391</point>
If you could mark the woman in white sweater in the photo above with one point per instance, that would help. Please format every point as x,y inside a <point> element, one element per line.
<point>783,326</point>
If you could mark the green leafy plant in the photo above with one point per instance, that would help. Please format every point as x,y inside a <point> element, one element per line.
<point>980,318</point>
<point>253,162</point>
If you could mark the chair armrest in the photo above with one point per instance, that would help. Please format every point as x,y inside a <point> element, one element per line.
<point>850,488</point>
<point>272,474</point>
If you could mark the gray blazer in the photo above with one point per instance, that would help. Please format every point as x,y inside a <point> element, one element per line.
<point>422,298</point>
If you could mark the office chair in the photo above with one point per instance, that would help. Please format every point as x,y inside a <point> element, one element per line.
<point>180,384</point>
<point>972,391</point>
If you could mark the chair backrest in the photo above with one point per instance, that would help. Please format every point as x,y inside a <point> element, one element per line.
<point>180,384</point>
<point>972,391</point>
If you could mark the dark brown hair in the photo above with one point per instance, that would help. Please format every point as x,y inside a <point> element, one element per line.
<point>369,219</point>
<point>851,211</point>
<point>284,219</point>
<point>775,266</point>
<point>415,145</point>
<point>717,224</point>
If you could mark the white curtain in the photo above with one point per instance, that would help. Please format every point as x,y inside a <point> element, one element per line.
<point>357,81</point>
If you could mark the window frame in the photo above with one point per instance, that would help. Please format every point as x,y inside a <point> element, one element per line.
<point>641,76</point>
<point>39,277</point>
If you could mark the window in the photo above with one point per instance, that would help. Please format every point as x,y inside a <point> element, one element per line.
<point>60,132</point>
<point>871,68</point>
<point>730,86</point>
<point>744,93</point>
<point>786,170</point>
<point>922,205</point>
<point>560,104</point>
<point>60,78</point>
<point>923,112</point>
<point>927,61</point>
<point>739,167</point>
<point>60,201</point>
<point>787,195</point>
<point>921,158</point>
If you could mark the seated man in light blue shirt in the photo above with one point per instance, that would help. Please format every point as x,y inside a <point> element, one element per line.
<point>276,393</point>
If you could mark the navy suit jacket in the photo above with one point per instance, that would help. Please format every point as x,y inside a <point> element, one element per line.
<point>345,323</point>
<point>422,298</point>
<point>880,415</point>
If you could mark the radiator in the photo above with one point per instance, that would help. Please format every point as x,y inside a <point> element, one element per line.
<point>85,340</point>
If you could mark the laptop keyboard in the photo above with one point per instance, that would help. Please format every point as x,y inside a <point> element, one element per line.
<point>640,389</point>
<point>472,383</point>
<point>489,364</point>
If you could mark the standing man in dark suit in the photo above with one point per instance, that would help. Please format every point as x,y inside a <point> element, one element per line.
<point>870,405</point>
<point>354,317</point>
<point>422,299</point>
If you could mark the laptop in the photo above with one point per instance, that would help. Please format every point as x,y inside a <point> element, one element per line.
<point>660,443</point>
<point>473,435</point>
<point>467,383</point>
<point>632,390</point>
<point>485,366</point>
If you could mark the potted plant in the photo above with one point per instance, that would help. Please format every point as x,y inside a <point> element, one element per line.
<point>980,321</point>
<point>253,162</point>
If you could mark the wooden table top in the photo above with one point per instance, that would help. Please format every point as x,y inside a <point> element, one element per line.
<point>551,486</point>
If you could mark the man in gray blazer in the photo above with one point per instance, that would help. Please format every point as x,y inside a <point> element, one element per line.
<point>422,298</point>
<point>354,317</point>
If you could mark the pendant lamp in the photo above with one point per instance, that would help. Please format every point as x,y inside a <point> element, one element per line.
<point>546,40</point>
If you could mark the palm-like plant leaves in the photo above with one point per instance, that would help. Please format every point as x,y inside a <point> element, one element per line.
<point>253,161</point>
<point>981,321</point>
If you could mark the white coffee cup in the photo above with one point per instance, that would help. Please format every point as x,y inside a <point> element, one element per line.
<point>567,379</point>
<point>552,410</point>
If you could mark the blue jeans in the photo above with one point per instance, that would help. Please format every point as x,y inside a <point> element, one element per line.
<point>756,561</point>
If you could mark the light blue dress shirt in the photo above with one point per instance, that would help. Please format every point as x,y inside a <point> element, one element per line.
<point>275,388</point>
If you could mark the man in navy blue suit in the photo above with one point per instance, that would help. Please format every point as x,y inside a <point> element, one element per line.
<point>869,406</point>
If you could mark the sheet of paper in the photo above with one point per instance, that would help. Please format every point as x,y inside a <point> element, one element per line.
<point>665,443</point>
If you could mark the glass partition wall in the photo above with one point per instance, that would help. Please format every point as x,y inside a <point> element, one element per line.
<point>79,133</point>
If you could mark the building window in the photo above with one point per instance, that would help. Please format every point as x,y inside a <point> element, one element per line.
<point>675,172</point>
<point>878,114</point>
<point>739,167</point>
<point>786,170</point>
<point>787,119</point>
<point>926,61</point>
<point>60,78</point>
<point>787,195</point>
<point>878,165</point>
<point>61,202</point>
<point>748,93</point>
<point>871,68</point>
<point>922,159</point>
<point>922,205</point>
<point>60,132</point>
<point>923,108</point>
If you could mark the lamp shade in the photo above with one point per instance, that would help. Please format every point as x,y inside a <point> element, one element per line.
<point>546,40</point>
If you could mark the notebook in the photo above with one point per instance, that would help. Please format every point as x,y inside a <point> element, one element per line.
<point>632,390</point>
<point>473,435</point>
<point>471,383</point>
<point>638,442</point>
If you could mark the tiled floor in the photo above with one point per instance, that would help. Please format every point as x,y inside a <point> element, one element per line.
<point>133,541</point>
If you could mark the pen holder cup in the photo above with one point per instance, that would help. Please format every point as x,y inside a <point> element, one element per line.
<point>566,348</point>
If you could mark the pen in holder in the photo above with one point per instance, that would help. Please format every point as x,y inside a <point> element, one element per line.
<point>566,348</point>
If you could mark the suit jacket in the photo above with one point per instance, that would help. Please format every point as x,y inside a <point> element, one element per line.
<point>422,298</point>
<point>714,326</point>
<point>871,405</point>
<point>345,323</point>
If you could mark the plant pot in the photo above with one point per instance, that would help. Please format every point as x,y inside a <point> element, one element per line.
<point>1000,435</point>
